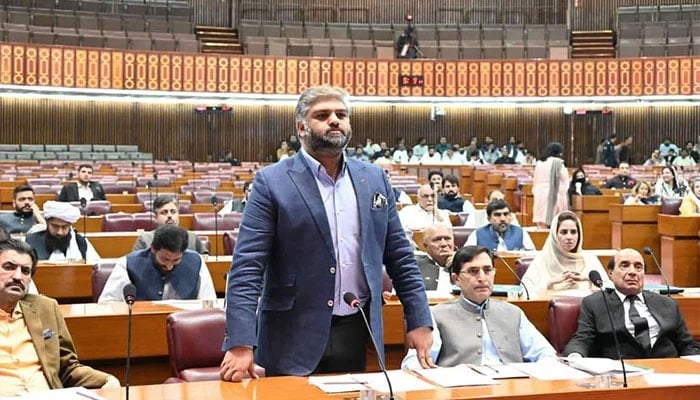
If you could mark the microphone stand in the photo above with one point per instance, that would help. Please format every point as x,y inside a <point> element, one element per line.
<point>83,207</point>
<point>648,251</point>
<point>599,283</point>
<point>155,182</point>
<point>149,186</point>
<point>512,271</point>
<point>215,203</point>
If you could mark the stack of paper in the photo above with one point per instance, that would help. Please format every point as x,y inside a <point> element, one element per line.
<point>400,382</point>
<point>549,370</point>
<point>499,371</point>
<point>460,375</point>
<point>600,366</point>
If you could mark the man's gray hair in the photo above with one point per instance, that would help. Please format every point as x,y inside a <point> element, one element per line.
<point>314,93</point>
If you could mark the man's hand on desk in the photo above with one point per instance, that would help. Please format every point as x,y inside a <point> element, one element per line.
<point>238,362</point>
<point>421,339</point>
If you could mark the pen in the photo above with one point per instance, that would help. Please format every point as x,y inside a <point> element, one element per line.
<point>345,383</point>
<point>473,368</point>
<point>87,396</point>
<point>492,368</point>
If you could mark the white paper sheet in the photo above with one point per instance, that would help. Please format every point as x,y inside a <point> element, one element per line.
<point>460,375</point>
<point>500,371</point>
<point>550,370</point>
<point>400,381</point>
<point>598,366</point>
<point>337,383</point>
<point>672,379</point>
<point>76,393</point>
<point>692,358</point>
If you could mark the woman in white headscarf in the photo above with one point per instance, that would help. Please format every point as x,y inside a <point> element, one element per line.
<point>561,264</point>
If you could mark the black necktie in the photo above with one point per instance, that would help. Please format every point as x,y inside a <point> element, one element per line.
<point>641,325</point>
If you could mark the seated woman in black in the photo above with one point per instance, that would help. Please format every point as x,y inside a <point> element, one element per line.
<point>581,186</point>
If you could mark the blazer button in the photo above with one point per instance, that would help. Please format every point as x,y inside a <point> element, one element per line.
<point>332,269</point>
<point>160,292</point>
<point>330,303</point>
<point>478,318</point>
<point>478,335</point>
<point>478,352</point>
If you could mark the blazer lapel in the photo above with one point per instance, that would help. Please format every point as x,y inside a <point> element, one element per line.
<point>617,310</point>
<point>305,181</point>
<point>362,193</point>
<point>656,310</point>
<point>35,327</point>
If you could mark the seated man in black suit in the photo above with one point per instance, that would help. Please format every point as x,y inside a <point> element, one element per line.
<point>649,325</point>
<point>237,205</point>
<point>84,188</point>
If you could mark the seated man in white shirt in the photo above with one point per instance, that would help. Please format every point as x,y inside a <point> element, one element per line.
<point>59,241</point>
<point>474,329</point>
<point>419,216</point>
<point>167,270</point>
<point>479,218</point>
<point>499,234</point>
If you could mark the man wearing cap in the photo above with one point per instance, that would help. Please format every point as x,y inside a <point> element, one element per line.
<point>59,242</point>
<point>27,213</point>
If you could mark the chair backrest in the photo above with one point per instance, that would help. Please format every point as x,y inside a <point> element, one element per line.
<point>206,245</point>
<point>100,274</point>
<point>183,206</point>
<point>521,266</point>
<point>189,348</point>
<point>461,233</point>
<point>226,222</point>
<point>563,320</point>
<point>96,207</point>
<point>144,221</point>
<point>230,238</point>
<point>670,205</point>
<point>201,197</point>
<point>119,187</point>
<point>118,223</point>
<point>142,197</point>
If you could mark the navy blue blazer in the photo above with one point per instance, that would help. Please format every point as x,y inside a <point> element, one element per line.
<point>593,337</point>
<point>284,255</point>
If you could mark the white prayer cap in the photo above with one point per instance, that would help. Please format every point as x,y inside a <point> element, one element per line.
<point>64,211</point>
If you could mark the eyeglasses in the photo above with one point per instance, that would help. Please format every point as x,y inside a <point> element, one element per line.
<point>474,271</point>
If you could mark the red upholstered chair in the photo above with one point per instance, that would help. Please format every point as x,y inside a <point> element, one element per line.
<point>670,205</point>
<point>183,206</point>
<point>142,197</point>
<point>521,265</point>
<point>118,223</point>
<point>230,238</point>
<point>205,197</point>
<point>204,239</point>
<point>100,274</point>
<point>119,187</point>
<point>195,356</point>
<point>205,221</point>
<point>196,188</point>
<point>42,189</point>
<point>96,207</point>
<point>43,181</point>
<point>461,233</point>
<point>142,181</point>
<point>563,320</point>
<point>144,221</point>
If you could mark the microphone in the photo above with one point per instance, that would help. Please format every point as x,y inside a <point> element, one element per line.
<point>351,299</point>
<point>83,205</point>
<point>129,297</point>
<point>155,182</point>
<point>215,202</point>
<point>149,186</point>
<point>595,278</point>
<point>649,252</point>
<point>512,271</point>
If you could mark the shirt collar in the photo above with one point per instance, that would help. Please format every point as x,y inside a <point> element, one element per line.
<point>473,307</point>
<point>317,168</point>
<point>623,296</point>
<point>16,313</point>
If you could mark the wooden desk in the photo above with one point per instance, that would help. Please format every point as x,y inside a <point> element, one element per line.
<point>71,283</point>
<point>636,227</point>
<point>298,388</point>
<point>479,185</point>
<point>594,212</point>
<point>117,244</point>
<point>679,249</point>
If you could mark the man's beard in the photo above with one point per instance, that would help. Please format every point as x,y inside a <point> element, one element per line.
<point>450,196</point>
<point>24,212</point>
<point>333,144</point>
<point>54,243</point>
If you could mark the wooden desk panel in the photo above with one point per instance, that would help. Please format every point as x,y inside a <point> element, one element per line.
<point>298,388</point>
<point>636,227</point>
<point>595,219</point>
<point>679,249</point>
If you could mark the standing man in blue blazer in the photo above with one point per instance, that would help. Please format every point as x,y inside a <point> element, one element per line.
<point>318,225</point>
